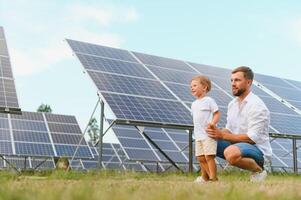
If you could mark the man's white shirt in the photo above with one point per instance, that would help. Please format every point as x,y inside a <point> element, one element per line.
<point>252,117</point>
<point>202,112</point>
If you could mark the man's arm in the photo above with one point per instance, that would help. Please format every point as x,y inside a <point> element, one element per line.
<point>225,134</point>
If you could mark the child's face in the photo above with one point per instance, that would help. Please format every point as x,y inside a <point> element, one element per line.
<point>197,89</point>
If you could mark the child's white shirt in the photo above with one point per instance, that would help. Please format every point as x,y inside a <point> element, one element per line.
<point>202,112</point>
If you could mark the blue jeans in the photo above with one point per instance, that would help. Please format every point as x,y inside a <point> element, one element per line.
<point>247,150</point>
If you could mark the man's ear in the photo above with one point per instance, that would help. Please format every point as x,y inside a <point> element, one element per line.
<point>250,82</point>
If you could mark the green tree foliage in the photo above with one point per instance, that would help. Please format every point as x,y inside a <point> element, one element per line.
<point>93,130</point>
<point>44,108</point>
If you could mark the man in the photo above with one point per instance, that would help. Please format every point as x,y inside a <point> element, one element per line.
<point>244,142</point>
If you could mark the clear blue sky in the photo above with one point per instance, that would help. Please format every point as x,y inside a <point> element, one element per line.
<point>262,34</point>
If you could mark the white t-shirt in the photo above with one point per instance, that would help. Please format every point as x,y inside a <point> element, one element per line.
<point>253,118</point>
<point>202,112</point>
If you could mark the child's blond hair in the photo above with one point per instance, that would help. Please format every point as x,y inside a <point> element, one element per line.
<point>204,80</point>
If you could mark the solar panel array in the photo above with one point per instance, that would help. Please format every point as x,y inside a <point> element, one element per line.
<point>8,95</point>
<point>41,135</point>
<point>22,163</point>
<point>144,87</point>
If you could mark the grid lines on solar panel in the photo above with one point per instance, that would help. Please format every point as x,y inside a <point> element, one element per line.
<point>42,164</point>
<point>98,50</point>
<point>286,93</point>
<point>146,109</point>
<point>134,144</point>
<point>130,85</point>
<point>167,145</point>
<point>5,136</point>
<point>113,66</point>
<point>1,32</point>
<point>171,75</point>
<point>183,92</point>
<point>287,124</point>
<point>212,71</point>
<point>8,96</point>
<point>271,80</point>
<point>30,135</point>
<point>5,67</point>
<point>68,151</point>
<point>66,136</point>
<point>295,83</point>
<point>275,106</point>
<point>163,62</point>
<point>3,48</point>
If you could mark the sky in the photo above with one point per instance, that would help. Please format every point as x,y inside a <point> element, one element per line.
<point>262,34</point>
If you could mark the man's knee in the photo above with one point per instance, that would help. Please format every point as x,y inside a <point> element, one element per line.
<point>232,154</point>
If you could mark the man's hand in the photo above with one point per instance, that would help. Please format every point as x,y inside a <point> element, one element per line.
<point>214,132</point>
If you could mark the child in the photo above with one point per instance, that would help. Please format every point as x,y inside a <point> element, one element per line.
<point>205,113</point>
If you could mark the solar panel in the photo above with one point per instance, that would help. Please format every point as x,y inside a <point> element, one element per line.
<point>8,95</point>
<point>42,135</point>
<point>148,88</point>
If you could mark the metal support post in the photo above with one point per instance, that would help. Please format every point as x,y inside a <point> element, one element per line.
<point>100,144</point>
<point>295,155</point>
<point>190,152</point>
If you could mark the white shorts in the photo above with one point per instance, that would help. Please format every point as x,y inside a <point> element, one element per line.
<point>205,147</point>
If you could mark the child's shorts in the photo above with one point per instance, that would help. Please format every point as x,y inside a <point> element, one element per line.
<point>205,147</point>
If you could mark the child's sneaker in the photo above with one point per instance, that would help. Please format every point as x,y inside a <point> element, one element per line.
<point>258,176</point>
<point>199,180</point>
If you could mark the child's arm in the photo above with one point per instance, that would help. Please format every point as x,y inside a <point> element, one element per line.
<point>215,118</point>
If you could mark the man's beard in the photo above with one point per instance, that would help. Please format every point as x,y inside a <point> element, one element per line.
<point>239,92</point>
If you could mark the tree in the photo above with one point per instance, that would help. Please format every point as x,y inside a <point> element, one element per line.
<point>93,130</point>
<point>44,108</point>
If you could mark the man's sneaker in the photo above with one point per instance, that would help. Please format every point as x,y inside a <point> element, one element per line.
<point>258,176</point>
<point>199,180</point>
<point>267,166</point>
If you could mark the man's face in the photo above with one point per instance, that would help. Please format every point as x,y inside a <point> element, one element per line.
<point>239,84</point>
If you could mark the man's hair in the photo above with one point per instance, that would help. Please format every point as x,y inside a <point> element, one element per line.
<point>248,73</point>
<point>204,80</point>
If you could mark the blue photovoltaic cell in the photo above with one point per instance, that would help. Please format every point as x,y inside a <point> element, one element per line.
<point>183,92</point>
<point>67,150</point>
<point>212,71</point>
<point>129,85</point>
<point>295,83</point>
<point>297,104</point>
<point>67,139</point>
<point>60,118</point>
<point>32,116</point>
<point>270,80</point>
<point>163,62</point>
<point>145,109</point>
<point>5,135</point>
<point>6,148</point>
<point>275,106</point>
<point>35,126</point>
<point>28,125</point>
<point>29,136</point>
<point>64,128</point>
<point>113,66</point>
<point>287,124</point>
<point>98,50</point>
<point>8,95</point>
<point>286,93</point>
<point>5,69</point>
<point>173,75</point>
<point>34,149</point>
<point>259,91</point>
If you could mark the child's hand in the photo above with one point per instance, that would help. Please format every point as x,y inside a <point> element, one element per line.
<point>211,126</point>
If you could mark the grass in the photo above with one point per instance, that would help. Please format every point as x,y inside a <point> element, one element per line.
<point>130,185</point>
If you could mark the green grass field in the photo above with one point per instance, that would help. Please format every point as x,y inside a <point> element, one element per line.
<point>130,185</point>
